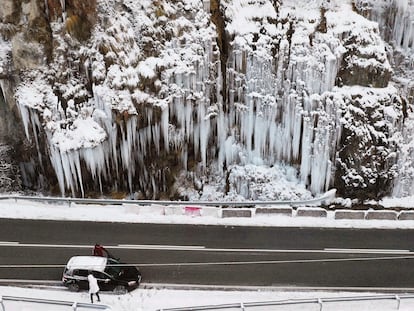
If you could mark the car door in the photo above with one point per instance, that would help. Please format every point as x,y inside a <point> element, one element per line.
<point>81,277</point>
<point>104,281</point>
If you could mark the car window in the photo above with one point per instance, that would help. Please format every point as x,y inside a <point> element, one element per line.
<point>99,275</point>
<point>112,267</point>
<point>81,272</point>
<point>67,271</point>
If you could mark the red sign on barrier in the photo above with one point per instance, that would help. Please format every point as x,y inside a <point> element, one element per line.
<point>192,211</point>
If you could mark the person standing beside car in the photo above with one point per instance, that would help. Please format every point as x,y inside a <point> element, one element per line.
<point>93,287</point>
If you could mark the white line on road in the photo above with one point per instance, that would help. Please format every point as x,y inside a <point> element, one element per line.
<point>277,261</point>
<point>367,251</point>
<point>204,249</point>
<point>7,243</point>
<point>45,245</point>
<point>219,263</point>
<point>167,247</point>
<point>120,246</point>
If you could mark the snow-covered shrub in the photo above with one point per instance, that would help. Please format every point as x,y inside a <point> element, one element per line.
<point>9,172</point>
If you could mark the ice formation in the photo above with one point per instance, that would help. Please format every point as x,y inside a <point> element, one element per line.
<point>282,90</point>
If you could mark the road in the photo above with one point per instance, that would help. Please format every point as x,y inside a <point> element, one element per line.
<point>215,255</point>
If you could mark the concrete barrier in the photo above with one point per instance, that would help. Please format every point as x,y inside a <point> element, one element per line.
<point>347,214</point>
<point>236,212</point>
<point>311,212</point>
<point>210,211</point>
<point>285,211</point>
<point>153,209</point>
<point>381,215</point>
<point>406,215</point>
<point>174,210</point>
<point>192,210</point>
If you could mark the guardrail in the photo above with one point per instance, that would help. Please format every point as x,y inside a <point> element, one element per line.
<point>244,306</point>
<point>326,197</point>
<point>75,306</point>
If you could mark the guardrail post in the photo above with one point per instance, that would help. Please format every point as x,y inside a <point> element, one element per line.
<point>75,306</point>
<point>2,304</point>
<point>320,304</point>
<point>242,306</point>
<point>398,301</point>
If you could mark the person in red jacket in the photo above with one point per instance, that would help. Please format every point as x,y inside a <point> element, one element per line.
<point>99,250</point>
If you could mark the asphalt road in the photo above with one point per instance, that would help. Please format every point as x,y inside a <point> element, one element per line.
<point>215,255</point>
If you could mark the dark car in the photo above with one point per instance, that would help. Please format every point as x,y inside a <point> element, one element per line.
<point>110,273</point>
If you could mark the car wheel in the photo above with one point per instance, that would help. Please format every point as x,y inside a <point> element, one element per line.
<point>73,287</point>
<point>120,290</point>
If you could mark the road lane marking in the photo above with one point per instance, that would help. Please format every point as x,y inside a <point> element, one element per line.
<point>160,247</point>
<point>7,243</point>
<point>367,250</point>
<point>277,261</point>
<point>33,266</point>
<point>217,263</point>
<point>120,246</point>
<point>46,245</point>
<point>205,249</point>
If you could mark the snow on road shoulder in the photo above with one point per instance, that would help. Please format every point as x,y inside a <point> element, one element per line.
<point>155,299</point>
<point>20,209</point>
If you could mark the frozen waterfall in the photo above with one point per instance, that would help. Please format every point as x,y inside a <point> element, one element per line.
<point>269,96</point>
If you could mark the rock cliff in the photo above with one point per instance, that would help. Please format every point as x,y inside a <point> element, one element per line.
<point>209,99</point>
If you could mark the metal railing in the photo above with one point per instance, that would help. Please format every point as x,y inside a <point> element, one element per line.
<point>73,305</point>
<point>244,306</point>
<point>329,195</point>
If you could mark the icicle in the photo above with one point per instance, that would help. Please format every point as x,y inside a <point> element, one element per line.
<point>34,120</point>
<point>164,128</point>
<point>204,128</point>
<point>306,151</point>
<point>56,161</point>
<point>403,33</point>
<point>2,91</point>
<point>79,172</point>
<point>206,5</point>
<point>320,160</point>
<point>63,6</point>
<point>46,9</point>
<point>95,161</point>
<point>297,132</point>
<point>24,113</point>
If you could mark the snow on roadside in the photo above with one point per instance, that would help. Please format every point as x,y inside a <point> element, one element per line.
<point>152,299</point>
<point>21,209</point>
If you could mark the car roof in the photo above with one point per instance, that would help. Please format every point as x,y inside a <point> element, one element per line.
<point>95,263</point>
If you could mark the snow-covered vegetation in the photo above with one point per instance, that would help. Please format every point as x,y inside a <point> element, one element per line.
<point>9,179</point>
<point>215,99</point>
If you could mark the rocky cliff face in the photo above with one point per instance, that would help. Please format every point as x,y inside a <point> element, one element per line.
<point>191,99</point>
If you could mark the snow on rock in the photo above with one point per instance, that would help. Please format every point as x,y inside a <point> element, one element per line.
<point>370,132</point>
<point>395,19</point>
